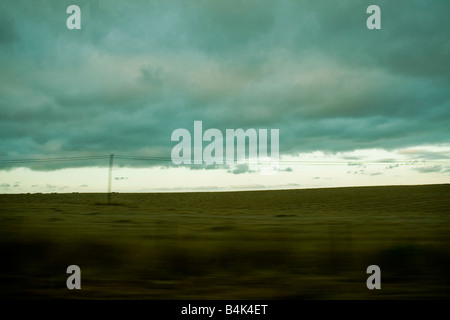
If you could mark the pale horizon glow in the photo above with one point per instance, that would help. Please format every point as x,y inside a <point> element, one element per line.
<point>370,167</point>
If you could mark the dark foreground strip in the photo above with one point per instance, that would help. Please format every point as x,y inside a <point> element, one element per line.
<point>224,309</point>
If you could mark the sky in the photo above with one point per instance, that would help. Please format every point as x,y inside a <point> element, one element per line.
<point>353,106</point>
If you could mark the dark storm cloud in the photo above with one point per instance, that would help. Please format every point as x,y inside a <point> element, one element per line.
<point>240,168</point>
<point>137,70</point>
<point>429,169</point>
<point>392,166</point>
<point>420,154</point>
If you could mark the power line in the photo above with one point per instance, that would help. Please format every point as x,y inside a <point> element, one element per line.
<point>247,161</point>
<point>163,159</point>
<point>28,160</point>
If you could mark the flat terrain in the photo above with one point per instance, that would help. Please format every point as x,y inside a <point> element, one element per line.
<point>293,244</point>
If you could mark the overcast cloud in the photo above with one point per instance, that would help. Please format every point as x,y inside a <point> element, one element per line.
<point>137,70</point>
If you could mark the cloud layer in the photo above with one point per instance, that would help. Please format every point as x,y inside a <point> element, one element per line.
<point>138,70</point>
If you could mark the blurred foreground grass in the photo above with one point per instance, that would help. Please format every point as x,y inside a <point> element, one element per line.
<point>296,244</point>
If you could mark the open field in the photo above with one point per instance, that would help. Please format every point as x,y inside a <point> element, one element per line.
<point>293,244</point>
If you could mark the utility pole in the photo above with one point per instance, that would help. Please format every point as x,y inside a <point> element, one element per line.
<point>111,159</point>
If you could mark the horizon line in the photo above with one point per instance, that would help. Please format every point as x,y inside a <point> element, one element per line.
<point>241,190</point>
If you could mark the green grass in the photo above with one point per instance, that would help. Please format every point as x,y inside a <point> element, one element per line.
<point>305,244</point>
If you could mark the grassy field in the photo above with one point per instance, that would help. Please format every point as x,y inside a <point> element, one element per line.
<point>293,244</point>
